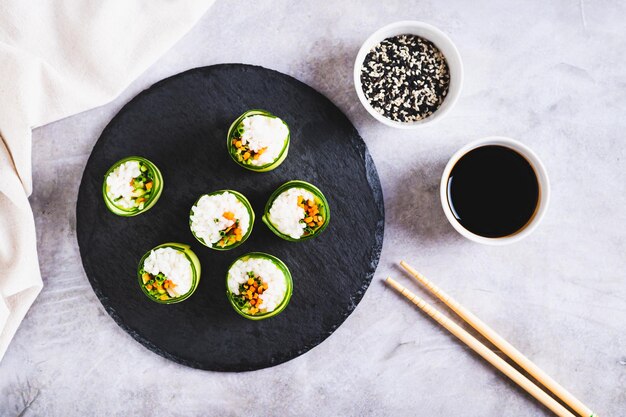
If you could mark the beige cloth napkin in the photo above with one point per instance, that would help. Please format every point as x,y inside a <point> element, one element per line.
<point>58,58</point>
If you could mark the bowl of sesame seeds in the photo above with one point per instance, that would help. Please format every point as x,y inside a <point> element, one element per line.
<point>408,74</point>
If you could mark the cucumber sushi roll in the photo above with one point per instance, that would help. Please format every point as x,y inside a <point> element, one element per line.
<point>169,273</point>
<point>258,285</point>
<point>132,186</point>
<point>297,211</point>
<point>258,140</point>
<point>221,220</point>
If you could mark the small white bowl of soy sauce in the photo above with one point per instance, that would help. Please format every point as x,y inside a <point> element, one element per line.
<point>495,191</point>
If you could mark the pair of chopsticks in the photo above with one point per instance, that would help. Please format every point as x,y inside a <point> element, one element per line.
<point>487,354</point>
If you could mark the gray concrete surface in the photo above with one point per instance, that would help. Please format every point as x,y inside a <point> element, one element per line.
<point>551,74</point>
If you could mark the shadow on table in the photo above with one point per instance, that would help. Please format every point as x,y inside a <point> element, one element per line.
<point>329,69</point>
<point>413,204</point>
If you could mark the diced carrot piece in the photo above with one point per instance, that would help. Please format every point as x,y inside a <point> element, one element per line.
<point>256,156</point>
<point>166,284</point>
<point>238,143</point>
<point>164,297</point>
<point>311,224</point>
<point>320,223</point>
<point>141,200</point>
<point>228,215</point>
<point>149,185</point>
<point>250,281</point>
<point>252,302</point>
<point>246,156</point>
<point>308,219</point>
<point>300,198</point>
<point>310,203</point>
<point>265,285</point>
<point>260,290</point>
<point>149,287</point>
<point>261,151</point>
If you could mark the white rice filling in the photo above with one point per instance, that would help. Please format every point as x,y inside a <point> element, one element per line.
<point>174,265</point>
<point>260,132</point>
<point>207,216</point>
<point>285,214</point>
<point>268,272</point>
<point>118,184</point>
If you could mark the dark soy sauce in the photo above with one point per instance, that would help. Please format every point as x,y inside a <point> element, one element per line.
<point>493,191</point>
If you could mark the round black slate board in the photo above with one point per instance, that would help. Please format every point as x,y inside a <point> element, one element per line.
<point>180,124</point>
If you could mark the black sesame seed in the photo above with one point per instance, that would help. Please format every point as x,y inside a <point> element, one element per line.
<point>405,78</point>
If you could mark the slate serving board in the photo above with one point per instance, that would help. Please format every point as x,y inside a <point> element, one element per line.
<point>180,124</point>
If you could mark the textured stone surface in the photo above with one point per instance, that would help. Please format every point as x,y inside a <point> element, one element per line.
<point>180,124</point>
<point>548,74</point>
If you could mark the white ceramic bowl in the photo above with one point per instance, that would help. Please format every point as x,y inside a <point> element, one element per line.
<point>441,41</point>
<point>542,179</point>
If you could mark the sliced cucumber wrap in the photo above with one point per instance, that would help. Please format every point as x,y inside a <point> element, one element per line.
<point>288,292</point>
<point>319,199</point>
<point>248,206</point>
<point>195,272</point>
<point>155,192</point>
<point>232,150</point>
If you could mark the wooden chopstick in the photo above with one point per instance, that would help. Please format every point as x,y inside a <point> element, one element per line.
<point>484,351</point>
<point>508,349</point>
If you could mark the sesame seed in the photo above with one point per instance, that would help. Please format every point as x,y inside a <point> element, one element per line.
<point>405,78</point>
